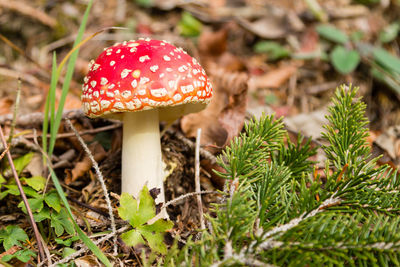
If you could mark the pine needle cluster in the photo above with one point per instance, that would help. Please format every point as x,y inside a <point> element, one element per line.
<point>277,211</point>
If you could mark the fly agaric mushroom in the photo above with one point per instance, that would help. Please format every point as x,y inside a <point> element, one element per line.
<point>142,82</point>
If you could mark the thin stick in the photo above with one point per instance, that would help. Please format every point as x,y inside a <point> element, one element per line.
<point>197,179</point>
<point>16,107</point>
<point>173,201</point>
<point>269,236</point>
<point>37,117</point>
<point>5,151</point>
<point>101,179</point>
<point>24,199</point>
<point>85,132</point>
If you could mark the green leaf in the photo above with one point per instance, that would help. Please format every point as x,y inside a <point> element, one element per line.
<point>36,182</point>
<point>332,34</point>
<point>154,239</point>
<point>36,204</point>
<point>138,218</point>
<point>144,3</point>
<point>2,180</point>
<point>389,33</point>
<point>154,234</point>
<point>133,238</point>
<point>147,207</point>
<point>13,190</point>
<point>42,215</point>
<point>60,222</point>
<point>386,78</point>
<point>387,60</point>
<point>22,255</point>
<point>189,26</point>
<point>128,207</point>
<point>67,242</point>
<point>53,201</point>
<point>160,225</point>
<point>21,162</point>
<point>343,60</point>
<point>12,235</point>
<point>67,251</point>
<point>273,49</point>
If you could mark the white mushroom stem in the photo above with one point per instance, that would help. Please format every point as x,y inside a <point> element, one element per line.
<point>141,153</point>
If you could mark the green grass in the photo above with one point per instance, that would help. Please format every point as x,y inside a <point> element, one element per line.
<point>55,120</point>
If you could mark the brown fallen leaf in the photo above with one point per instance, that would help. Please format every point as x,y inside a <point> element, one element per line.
<point>230,62</point>
<point>272,79</point>
<point>213,43</point>
<point>5,105</point>
<point>309,41</point>
<point>224,117</point>
<point>85,164</point>
<point>87,261</point>
<point>390,141</point>
<point>309,124</point>
<point>268,27</point>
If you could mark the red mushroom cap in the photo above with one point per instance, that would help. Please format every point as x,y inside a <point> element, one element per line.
<point>144,74</point>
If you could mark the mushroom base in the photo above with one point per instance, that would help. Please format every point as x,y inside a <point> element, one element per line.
<point>141,153</point>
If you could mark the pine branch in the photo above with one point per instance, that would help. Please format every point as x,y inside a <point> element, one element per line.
<point>276,211</point>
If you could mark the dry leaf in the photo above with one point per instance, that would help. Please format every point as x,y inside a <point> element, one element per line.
<point>272,79</point>
<point>213,43</point>
<point>268,27</point>
<point>85,164</point>
<point>309,124</point>
<point>390,141</point>
<point>309,41</point>
<point>5,105</point>
<point>35,166</point>
<point>87,261</point>
<point>224,117</point>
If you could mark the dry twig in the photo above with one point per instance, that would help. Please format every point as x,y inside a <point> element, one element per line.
<point>85,132</point>
<point>197,179</point>
<point>101,180</point>
<point>29,11</point>
<point>37,117</point>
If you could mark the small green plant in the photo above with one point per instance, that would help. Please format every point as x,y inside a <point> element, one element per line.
<point>343,59</point>
<point>13,235</point>
<point>274,50</point>
<point>276,210</point>
<point>44,205</point>
<point>390,33</point>
<point>138,213</point>
<point>189,26</point>
<point>144,3</point>
<point>350,51</point>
